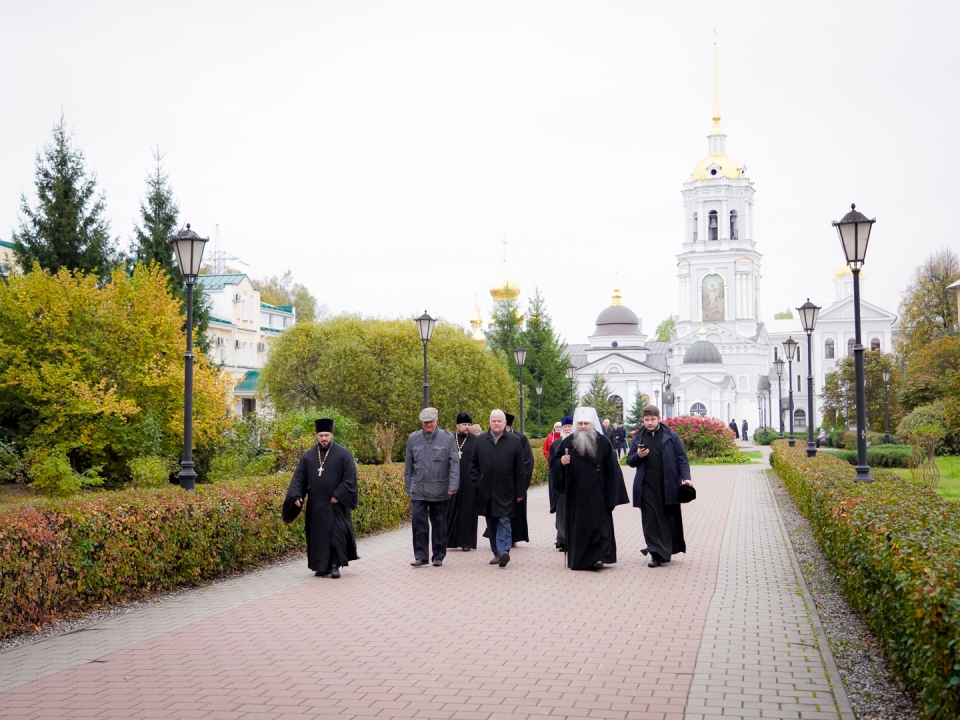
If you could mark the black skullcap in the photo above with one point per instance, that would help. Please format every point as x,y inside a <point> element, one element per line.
<point>463,417</point>
<point>510,419</point>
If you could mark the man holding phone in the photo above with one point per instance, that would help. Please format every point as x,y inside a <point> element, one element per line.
<point>662,467</point>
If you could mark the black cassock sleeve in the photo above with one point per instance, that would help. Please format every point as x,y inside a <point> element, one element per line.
<point>558,471</point>
<point>347,493</point>
<point>615,492</point>
<point>295,491</point>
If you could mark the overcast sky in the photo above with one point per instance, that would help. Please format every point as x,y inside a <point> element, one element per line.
<point>381,150</point>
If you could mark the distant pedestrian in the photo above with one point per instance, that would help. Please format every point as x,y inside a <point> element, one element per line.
<point>607,432</point>
<point>496,468</point>
<point>476,429</point>
<point>743,431</point>
<point>736,432</point>
<point>431,474</point>
<point>558,501</point>
<point>548,441</point>
<point>620,433</point>
<point>662,467</point>
<point>331,541</point>
<point>462,515</point>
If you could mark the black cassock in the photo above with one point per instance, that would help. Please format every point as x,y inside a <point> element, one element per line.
<point>328,527</point>
<point>462,512</point>
<point>518,523</point>
<point>592,489</point>
<point>558,500</point>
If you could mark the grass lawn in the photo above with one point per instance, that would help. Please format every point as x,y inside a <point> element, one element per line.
<point>755,454</point>
<point>15,494</point>
<point>949,486</point>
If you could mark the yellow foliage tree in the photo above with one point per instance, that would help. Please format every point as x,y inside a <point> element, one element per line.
<point>96,370</point>
<point>372,371</point>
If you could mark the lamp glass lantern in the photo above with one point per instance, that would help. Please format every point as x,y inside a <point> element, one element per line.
<point>790,348</point>
<point>778,366</point>
<point>854,231</point>
<point>886,376</point>
<point>520,355</point>
<point>571,372</point>
<point>808,316</point>
<point>188,247</point>
<point>425,325</point>
<point>539,389</point>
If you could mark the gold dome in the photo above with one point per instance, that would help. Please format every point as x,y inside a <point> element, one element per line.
<point>479,336</point>
<point>728,167</point>
<point>505,288</point>
<point>477,319</point>
<point>843,270</point>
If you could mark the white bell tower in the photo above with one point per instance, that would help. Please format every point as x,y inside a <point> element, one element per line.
<point>718,271</point>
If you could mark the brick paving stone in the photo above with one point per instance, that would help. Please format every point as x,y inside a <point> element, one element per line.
<point>467,640</point>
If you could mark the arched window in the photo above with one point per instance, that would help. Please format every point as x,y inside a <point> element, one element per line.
<point>799,418</point>
<point>875,344</point>
<point>733,225</point>
<point>850,347</point>
<point>713,227</point>
<point>695,227</point>
<point>698,409</point>
<point>828,349</point>
<point>617,402</point>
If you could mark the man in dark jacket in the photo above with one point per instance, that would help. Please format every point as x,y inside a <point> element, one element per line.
<point>736,431</point>
<point>518,523</point>
<point>743,431</point>
<point>662,467</point>
<point>431,474</point>
<point>497,472</point>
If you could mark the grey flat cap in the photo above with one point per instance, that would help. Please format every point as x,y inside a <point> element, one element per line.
<point>429,415</point>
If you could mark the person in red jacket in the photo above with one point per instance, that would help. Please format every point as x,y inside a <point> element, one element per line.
<point>548,441</point>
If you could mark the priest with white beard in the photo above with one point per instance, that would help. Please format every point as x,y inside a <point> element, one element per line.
<point>590,478</point>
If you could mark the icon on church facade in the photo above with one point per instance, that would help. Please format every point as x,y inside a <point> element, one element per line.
<point>713,298</point>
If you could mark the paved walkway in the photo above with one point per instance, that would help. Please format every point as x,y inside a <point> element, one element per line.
<point>726,630</point>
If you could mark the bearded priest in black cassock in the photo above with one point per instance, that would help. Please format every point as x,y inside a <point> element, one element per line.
<point>326,478</point>
<point>591,481</point>
<point>462,513</point>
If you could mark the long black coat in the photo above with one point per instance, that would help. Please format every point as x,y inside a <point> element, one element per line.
<point>497,473</point>
<point>518,525</point>
<point>462,511</point>
<point>676,466</point>
<point>592,487</point>
<point>331,539</point>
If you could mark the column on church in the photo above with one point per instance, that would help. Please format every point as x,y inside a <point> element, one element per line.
<point>701,222</point>
<point>751,299</point>
<point>724,221</point>
<point>698,316</point>
<point>748,207</point>
<point>738,311</point>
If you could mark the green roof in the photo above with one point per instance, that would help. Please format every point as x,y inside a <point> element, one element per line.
<point>4,243</point>
<point>249,382</point>
<point>276,330</point>
<point>219,282</point>
<point>281,308</point>
<point>220,320</point>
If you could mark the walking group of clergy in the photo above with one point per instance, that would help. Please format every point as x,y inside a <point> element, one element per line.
<point>454,478</point>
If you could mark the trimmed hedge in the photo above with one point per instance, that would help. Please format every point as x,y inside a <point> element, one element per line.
<point>895,547</point>
<point>884,456</point>
<point>765,436</point>
<point>59,558</point>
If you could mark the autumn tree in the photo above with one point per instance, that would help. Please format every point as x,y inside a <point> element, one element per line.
<point>839,390</point>
<point>66,228</point>
<point>372,371</point>
<point>666,329</point>
<point>93,371</point>
<point>285,291</point>
<point>928,310</point>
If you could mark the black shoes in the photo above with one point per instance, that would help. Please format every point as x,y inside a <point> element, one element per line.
<point>437,563</point>
<point>598,565</point>
<point>418,563</point>
<point>504,559</point>
<point>334,572</point>
<point>654,562</point>
<point>321,574</point>
<point>466,549</point>
<point>561,547</point>
<point>496,560</point>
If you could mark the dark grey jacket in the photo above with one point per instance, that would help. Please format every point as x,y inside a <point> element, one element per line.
<point>432,468</point>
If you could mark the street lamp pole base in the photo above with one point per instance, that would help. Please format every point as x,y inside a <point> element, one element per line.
<point>187,475</point>
<point>863,474</point>
<point>811,449</point>
<point>792,442</point>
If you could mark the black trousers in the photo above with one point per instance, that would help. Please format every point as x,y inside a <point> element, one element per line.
<point>437,512</point>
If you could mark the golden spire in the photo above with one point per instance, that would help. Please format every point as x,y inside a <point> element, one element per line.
<point>616,296</point>
<point>702,330</point>
<point>716,130</point>
<point>477,319</point>
<point>505,288</point>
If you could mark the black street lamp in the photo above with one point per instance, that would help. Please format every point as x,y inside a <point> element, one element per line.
<point>808,317</point>
<point>886,406</point>
<point>790,349</point>
<point>188,247</point>
<point>571,374</point>
<point>425,325</point>
<point>520,355</point>
<point>539,393</point>
<point>778,366</point>
<point>854,230</point>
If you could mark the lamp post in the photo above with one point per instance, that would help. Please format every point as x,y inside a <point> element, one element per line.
<point>188,247</point>
<point>886,406</point>
<point>854,231</point>
<point>571,374</point>
<point>790,348</point>
<point>539,393</point>
<point>656,396</point>
<point>778,366</point>
<point>425,325</point>
<point>520,355</point>
<point>808,317</point>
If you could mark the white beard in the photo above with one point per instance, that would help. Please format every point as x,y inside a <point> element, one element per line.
<point>585,443</point>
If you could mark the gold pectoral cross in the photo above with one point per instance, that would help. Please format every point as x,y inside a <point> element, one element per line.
<point>320,471</point>
<point>459,453</point>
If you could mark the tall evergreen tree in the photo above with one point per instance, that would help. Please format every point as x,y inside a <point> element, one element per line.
<point>66,228</point>
<point>159,221</point>
<point>634,419</point>
<point>545,364</point>
<point>504,336</point>
<point>599,399</point>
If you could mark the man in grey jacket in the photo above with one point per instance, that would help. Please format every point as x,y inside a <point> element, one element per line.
<point>431,474</point>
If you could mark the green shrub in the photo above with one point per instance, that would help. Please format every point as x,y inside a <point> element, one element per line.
<point>61,557</point>
<point>290,434</point>
<point>849,438</point>
<point>541,471</point>
<point>239,463</point>
<point>765,436</point>
<point>150,471</point>
<point>884,456</point>
<point>895,547</point>
<point>51,474</point>
<point>932,414</point>
<point>11,465</point>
